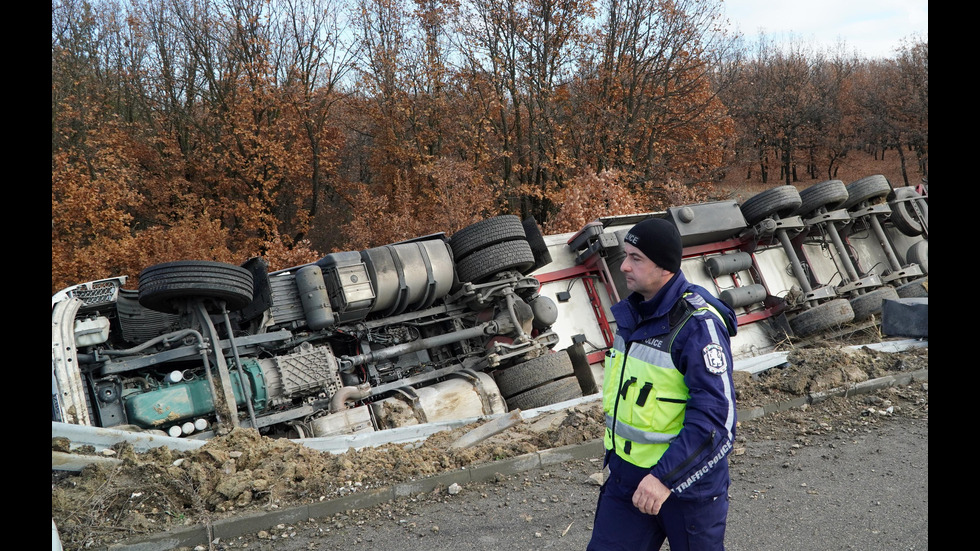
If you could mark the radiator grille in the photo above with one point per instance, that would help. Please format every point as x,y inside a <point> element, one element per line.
<point>96,294</point>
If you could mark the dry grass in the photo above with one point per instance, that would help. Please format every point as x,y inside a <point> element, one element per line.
<point>858,164</point>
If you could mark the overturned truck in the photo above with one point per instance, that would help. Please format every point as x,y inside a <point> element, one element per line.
<point>494,318</point>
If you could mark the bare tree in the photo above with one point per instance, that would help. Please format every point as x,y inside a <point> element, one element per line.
<point>893,96</point>
<point>648,93</point>
<point>312,56</point>
<point>777,102</point>
<point>913,65</point>
<point>832,137</point>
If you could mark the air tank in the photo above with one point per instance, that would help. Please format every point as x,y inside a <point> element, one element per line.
<point>743,296</point>
<point>728,263</point>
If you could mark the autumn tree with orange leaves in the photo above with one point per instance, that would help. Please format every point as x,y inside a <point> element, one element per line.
<point>180,123</point>
<point>648,104</point>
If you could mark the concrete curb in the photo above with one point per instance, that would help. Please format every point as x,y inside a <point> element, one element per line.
<point>231,528</point>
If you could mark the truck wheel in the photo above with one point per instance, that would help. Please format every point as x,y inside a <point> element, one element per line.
<point>162,286</point>
<point>830,194</point>
<point>779,201</point>
<point>821,317</point>
<point>509,255</point>
<point>533,373</point>
<point>869,303</point>
<point>547,394</point>
<point>485,233</point>
<point>903,217</point>
<point>866,189</point>
<point>914,289</point>
<point>919,254</point>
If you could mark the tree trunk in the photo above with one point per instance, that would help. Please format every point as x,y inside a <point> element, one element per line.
<point>787,157</point>
<point>901,156</point>
<point>763,172</point>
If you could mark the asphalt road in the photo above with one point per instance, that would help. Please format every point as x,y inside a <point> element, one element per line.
<point>854,486</point>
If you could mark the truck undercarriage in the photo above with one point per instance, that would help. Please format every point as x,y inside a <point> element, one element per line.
<point>496,317</point>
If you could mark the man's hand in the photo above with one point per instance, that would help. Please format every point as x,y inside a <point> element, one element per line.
<point>650,495</point>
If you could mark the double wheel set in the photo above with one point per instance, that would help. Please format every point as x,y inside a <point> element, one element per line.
<point>829,210</point>
<point>497,245</point>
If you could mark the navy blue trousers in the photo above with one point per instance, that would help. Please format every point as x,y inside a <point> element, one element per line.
<point>687,525</point>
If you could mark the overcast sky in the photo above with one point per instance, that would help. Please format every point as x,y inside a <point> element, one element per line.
<point>875,28</point>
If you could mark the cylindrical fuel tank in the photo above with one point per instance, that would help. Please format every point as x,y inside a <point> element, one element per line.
<point>729,263</point>
<point>461,397</point>
<point>743,296</point>
<point>409,276</point>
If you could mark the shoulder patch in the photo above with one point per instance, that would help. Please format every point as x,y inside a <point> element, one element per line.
<point>695,300</point>
<point>714,359</point>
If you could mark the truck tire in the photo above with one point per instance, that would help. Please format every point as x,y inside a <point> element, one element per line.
<point>509,255</point>
<point>903,217</point>
<point>919,254</point>
<point>533,373</point>
<point>162,286</point>
<point>485,233</point>
<point>866,189</point>
<point>542,256</point>
<point>547,394</point>
<point>868,304</point>
<point>830,194</point>
<point>822,317</point>
<point>914,289</point>
<point>779,201</point>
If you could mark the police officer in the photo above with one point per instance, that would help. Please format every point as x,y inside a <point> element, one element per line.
<point>669,403</point>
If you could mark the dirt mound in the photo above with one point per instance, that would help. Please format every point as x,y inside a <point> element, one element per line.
<point>243,472</point>
<point>815,370</point>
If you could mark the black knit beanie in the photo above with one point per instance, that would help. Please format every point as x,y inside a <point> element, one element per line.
<point>659,239</point>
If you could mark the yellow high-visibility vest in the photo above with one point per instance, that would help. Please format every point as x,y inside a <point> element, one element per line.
<point>644,396</point>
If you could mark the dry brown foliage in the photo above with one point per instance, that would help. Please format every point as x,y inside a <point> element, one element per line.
<point>589,197</point>
<point>249,145</point>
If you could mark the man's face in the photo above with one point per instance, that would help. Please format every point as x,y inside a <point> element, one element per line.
<point>642,275</point>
